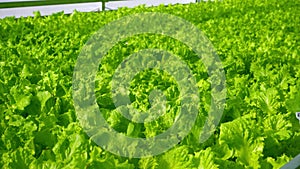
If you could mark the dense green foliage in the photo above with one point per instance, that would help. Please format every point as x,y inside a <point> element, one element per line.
<point>258,43</point>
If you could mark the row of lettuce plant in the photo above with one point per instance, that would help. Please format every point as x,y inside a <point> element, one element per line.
<point>257,41</point>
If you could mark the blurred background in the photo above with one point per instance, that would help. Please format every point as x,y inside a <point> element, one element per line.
<point>19,8</point>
